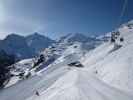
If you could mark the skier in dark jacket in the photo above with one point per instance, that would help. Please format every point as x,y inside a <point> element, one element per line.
<point>37,93</point>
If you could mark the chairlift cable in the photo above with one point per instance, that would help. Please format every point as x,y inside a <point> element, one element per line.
<point>122,12</point>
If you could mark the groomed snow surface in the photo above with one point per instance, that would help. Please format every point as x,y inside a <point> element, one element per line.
<point>107,74</point>
<point>79,85</point>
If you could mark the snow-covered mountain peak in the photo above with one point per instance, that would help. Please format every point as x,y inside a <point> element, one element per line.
<point>130,22</point>
<point>14,36</point>
<point>35,35</point>
<point>129,25</point>
<point>38,42</point>
<point>16,45</point>
<point>72,37</point>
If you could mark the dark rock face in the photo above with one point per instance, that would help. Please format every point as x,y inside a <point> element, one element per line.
<point>24,47</point>
<point>38,42</point>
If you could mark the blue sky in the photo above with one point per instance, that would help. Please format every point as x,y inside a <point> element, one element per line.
<point>58,17</point>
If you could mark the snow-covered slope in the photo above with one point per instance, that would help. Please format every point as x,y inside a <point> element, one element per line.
<point>69,48</point>
<point>106,75</point>
<point>78,84</point>
<point>113,65</point>
<point>73,43</point>
<point>72,53</point>
<point>24,64</point>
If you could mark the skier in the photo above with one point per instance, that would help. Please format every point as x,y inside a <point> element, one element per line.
<point>121,39</point>
<point>37,93</point>
<point>96,72</point>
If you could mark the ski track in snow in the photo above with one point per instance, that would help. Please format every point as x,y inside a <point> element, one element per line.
<point>78,84</point>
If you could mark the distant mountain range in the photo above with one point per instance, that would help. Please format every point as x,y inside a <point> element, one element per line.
<point>38,42</point>
<point>31,45</point>
<point>77,37</point>
<point>87,42</point>
<point>25,47</point>
<point>70,41</point>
